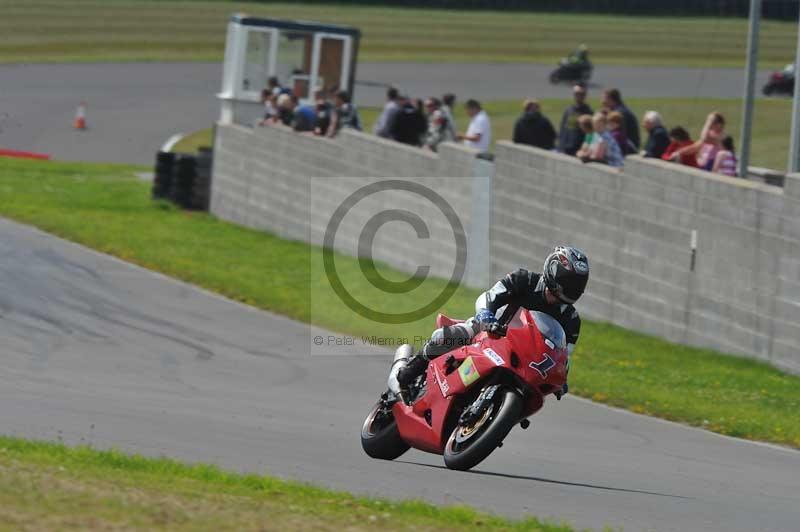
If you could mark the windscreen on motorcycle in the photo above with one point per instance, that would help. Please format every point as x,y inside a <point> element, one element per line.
<point>550,329</point>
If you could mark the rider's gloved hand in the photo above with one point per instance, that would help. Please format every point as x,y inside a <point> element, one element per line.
<point>485,319</point>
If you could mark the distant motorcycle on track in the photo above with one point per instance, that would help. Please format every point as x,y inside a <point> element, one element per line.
<point>467,402</point>
<point>575,68</point>
<point>780,82</point>
<point>572,72</point>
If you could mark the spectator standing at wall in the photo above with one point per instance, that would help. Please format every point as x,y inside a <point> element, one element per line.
<point>285,106</point>
<point>479,132</point>
<point>383,126</point>
<point>533,128</point>
<point>304,118</point>
<point>616,128</point>
<point>612,101</point>
<point>270,111</point>
<point>613,153</point>
<point>657,137</point>
<point>439,129</point>
<point>274,86</point>
<point>345,114</point>
<point>585,123</point>
<point>448,101</point>
<point>324,111</point>
<point>725,161</point>
<point>679,138</point>
<point>570,134</point>
<point>409,125</point>
<point>599,146</point>
<point>706,147</point>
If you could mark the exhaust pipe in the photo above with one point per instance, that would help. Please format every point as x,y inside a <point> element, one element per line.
<point>401,356</point>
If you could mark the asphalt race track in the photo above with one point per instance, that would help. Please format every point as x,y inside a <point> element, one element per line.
<point>97,351</point>
<point>134,107</point>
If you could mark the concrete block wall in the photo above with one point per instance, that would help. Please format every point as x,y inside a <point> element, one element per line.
<point>274,179</point>
<point>742,294</point>
<point>636,226</point>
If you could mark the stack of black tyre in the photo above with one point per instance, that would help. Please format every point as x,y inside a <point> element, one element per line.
<point>184,179</point>
<point>201,191</point>
<point>162,180</point>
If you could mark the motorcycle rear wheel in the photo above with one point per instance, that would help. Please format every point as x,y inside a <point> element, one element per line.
<point>379,435</point>
<point>478,442</point>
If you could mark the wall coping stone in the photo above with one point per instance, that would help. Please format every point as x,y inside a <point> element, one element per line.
<point>702,174</point>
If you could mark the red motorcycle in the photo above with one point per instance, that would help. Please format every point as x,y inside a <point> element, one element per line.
<point>468,401</point>
<point>781,82</point>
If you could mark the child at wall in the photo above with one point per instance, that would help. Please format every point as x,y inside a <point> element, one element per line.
<point>725,160</point>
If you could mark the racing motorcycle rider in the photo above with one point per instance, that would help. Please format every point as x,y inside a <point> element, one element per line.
<point>554,291</point>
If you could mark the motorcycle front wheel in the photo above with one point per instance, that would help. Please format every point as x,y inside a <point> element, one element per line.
<point>554,77</point>
<point>379,435</point>
<point>470,444</point>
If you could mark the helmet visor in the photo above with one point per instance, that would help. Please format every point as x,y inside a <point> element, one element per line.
<point>571,288</point>
<point>561,296</point>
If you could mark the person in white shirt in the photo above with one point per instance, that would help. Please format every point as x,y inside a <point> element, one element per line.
<point>479,132</point>
<point>383,126</point>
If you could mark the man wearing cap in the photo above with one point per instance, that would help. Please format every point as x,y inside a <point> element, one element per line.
<point>570,135</point>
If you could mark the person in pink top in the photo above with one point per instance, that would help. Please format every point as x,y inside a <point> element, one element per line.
<point>725,161</point>
<point>707,146</point>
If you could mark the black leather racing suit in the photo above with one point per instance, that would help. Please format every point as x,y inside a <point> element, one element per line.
<point>519,288</point>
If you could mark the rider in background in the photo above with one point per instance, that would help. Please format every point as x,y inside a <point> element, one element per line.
<point>553,292</point>
<point>580,56</point>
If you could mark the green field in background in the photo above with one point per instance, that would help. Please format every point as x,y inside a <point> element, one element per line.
<point>149,30</point>
<point>770,147</point>
<point>96,205</point>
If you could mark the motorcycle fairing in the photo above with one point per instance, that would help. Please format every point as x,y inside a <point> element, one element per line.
<point>422,424</point>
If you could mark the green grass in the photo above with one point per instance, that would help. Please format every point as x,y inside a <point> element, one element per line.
<point>142,30</point>
<point>97,205</point>
<point>47,486</point>
<point>193,141</point>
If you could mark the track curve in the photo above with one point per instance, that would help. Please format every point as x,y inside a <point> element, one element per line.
<point>98,351</point>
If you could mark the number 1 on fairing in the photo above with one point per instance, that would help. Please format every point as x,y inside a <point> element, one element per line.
<point>544,366</point>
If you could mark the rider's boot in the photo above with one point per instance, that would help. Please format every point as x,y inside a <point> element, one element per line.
<point>562,392</point>
<point>414,368</point>
<point>442,340</point>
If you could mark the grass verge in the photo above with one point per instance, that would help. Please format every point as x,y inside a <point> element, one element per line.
<point>149,30</point>
<point>47,486</point>
<point>98,205</point>
<point>194,141</point>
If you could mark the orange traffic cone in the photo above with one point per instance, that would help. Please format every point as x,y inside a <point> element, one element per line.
<point>80,117</point>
